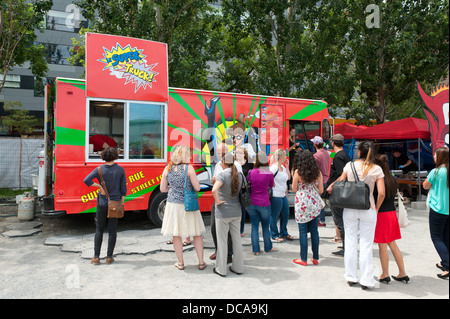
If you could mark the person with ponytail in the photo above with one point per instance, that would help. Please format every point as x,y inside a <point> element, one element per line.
<point>388,229</point>
<point>228,216</point>
<point>362,222</point>
<point>437,182</point>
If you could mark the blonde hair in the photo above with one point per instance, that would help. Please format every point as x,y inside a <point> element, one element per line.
<point>367,154</point>
<point>180,155</point>
<point>279,152</point>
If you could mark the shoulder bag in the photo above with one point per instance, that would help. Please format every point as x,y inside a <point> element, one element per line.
<point>402,215</point>
<point>355,195</point>
<point>115,207</point>
<point>244,193</point>
<point>190,197</point>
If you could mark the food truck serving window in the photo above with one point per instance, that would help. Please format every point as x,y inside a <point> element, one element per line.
<point>137,129</point>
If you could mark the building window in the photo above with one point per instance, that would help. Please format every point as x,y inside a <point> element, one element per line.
<point>12,81</point>
<point>64,21</point>
<point>57,53</point>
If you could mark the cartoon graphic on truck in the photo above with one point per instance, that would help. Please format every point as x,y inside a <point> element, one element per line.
<point>146,129</point>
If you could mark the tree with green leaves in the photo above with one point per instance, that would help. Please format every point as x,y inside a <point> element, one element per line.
<point>18,21</point>
<point>19,119</point>
<point>184,25</point>
<point>354,54</point>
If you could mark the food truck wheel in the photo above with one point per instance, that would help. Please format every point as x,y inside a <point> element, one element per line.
<point>156,208</point>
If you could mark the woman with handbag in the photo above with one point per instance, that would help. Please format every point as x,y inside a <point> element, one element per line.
<point>115,183</point>
<point>387,230</point>
<point>260,180</point>
<point>361,221</point>
<point>228,216</point>
<point>307,183</point>
<point>279,202</point>
<point>241,157</point>
<point>178,222</point>
<point>437,182</point>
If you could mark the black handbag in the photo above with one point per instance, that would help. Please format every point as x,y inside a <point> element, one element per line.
<point>244,193</point>
<point>355,195</point>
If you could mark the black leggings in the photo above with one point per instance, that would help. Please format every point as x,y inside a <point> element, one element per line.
<point>102,219</point>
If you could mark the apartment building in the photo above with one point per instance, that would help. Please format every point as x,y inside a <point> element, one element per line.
<point>62,23</point>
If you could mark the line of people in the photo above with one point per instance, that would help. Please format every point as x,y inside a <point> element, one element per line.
<point>356,228</point>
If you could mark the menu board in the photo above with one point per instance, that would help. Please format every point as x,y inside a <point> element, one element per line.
<point>272,124</point>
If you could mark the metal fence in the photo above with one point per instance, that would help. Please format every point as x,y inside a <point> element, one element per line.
<point>19,161</point>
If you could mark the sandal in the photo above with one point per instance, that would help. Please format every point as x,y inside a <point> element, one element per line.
<point>289,237</point>
<point>202,266</point>
<point>336,239</point>
<point>169,242</point>
<point>278,239</point>
<point>258,253</point>
<point>273,250</point>
<point>185,243</point>
<point>179,266</point>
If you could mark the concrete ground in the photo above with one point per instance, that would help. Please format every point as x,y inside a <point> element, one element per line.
<point>55,264</point>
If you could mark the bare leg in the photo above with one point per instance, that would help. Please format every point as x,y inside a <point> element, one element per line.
<point>178,246</point>
<point>198,244</point>
<point>384,259</point>
<point>398,258</point>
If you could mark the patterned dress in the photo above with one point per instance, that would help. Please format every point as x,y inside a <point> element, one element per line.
<point>176,221</point>
<point>308,202</point>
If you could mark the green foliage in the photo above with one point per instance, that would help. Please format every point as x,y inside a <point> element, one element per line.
<point>296,48</point>
<point>328,51</point>
<point>20,120</point>
<point>184,25</point>
<point>18,21</point>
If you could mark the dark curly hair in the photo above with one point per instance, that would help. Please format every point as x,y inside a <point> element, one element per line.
<point>307,167</point>
<point>110,154</point>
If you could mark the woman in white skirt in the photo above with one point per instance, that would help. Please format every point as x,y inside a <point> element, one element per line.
<point>362,222</point>
<point>178,223</point>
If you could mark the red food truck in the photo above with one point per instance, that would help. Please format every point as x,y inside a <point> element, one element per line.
<point>125,101</point>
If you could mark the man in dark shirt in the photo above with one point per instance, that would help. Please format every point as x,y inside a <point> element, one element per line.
<point>337,166</point>
<point>401,161</point>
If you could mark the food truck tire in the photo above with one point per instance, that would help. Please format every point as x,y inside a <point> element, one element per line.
<point>156,207</point>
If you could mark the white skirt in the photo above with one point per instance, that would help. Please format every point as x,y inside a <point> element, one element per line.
<point>178,222</point>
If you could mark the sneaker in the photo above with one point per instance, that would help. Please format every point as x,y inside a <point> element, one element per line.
<point>339,253</point>
<point>322,224</point>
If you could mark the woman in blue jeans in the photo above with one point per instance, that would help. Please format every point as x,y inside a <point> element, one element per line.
<point>260,179</point>
<point>279,202</point>
<point>308,185</point>
<point>437,181</point>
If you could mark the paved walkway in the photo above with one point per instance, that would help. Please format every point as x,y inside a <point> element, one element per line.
<point>58,267</point>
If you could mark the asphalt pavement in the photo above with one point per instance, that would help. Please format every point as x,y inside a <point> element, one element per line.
<point>53,265</point>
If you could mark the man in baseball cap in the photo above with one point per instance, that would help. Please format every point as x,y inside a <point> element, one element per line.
<point>337,137</point>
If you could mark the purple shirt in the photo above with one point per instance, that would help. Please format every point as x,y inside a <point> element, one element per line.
<point>260,182</point>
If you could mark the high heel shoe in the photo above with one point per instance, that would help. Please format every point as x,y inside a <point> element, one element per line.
<point>385,279</point>
<point>405,279</point>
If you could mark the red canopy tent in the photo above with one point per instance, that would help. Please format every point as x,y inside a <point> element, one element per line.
<point>409,128</point>
<point>348,130</point>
